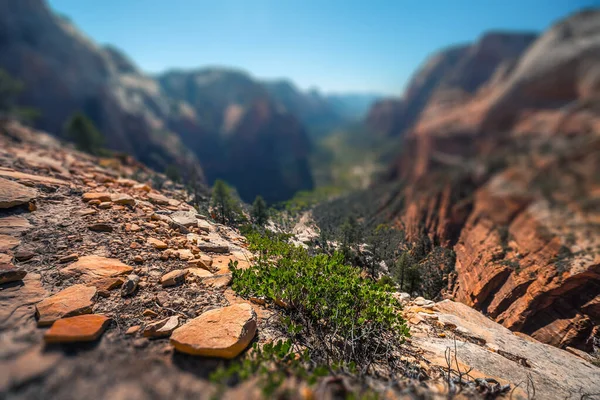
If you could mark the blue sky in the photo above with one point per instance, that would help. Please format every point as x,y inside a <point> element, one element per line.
<point>334,45</point>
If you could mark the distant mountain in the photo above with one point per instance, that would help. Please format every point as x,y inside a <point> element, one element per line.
<point>218,122</point>
<point>320,113</point>
<point>250,140</point>
<point>448,77</point>
<point>64,72</point>
<point>353,106</point>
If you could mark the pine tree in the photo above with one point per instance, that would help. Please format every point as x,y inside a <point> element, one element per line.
<point>259,211</point>
<point>81,131</point>
<point>225,204</point>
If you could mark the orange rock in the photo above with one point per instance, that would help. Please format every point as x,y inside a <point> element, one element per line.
<point>95,267</point>
<point>8,243</point>
<point>223,332</point>
<point>13,194</point>
<point>157,244</point>
<point>173,278</point>
<point>74,300</point>
<point>82,328</point>
<point>99,196</point>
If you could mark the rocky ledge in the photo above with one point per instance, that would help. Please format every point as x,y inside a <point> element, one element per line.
<point>109,286</point>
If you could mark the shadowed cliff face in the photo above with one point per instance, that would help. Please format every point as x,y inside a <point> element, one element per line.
<point>64,72</point>
<point>249,140</point>
<point>500,164</point>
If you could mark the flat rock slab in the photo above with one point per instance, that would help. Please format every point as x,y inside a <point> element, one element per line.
<point>502,354</point>
<point>122,199</point>
<point>222,332</point>
<point>8,273</point>
<point>218,281</point>
<point>17,300</point>
<point>8,243</point>
<point>158,199</point>
<point>14,194</point>
<point>185,218</point>
<point>162,328</point>
<point>75,300</point>
<point>100,227</point>
<point>81,328</point>
<point>92,268</point>
<point>44,180</point>
<point>199,273</point>
<point>13,225</point>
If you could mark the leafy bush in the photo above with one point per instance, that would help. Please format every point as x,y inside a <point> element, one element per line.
<point>346,322</point>
<point>260,362</point>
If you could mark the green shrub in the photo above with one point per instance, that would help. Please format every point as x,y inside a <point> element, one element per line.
<point>346,322</point>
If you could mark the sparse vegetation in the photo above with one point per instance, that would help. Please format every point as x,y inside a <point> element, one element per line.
<point>259,211</point>
<point>226,207</point>
<point>81,131</point>
<point>10,89</point>
<point>341,320</point>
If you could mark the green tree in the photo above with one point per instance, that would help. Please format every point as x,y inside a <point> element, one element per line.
<point>10,88</point>
<point>172,172</point>
<point>224,203</point>
<point>81,131</point>
<point>259,211</point>
<point>351,236</point>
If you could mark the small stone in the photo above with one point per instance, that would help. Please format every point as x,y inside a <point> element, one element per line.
<point>140,343</point>
<point>158,199</point>
<point>213,247</point>
<point>90,211</point>
<point>173,278</point>
<point>130,285</point>
<point>123,199</point>
<point>68,258</point>
<point>163,298</point>
<point>74,300</point>
<point>157,244</point>
<point>222,332</point>
<point>198,273</point>
<point>24,255</point>
<point>98,196</point>
<point>149,313</point>
<point>81,328</point>
<point>94,203</point>
<point>162,328</point>
<point>132,228</point>
<point>100,227</point>
<point>105,285</point>
<point>218,281</point>
<point>105,205</point>
<point>204,226</point>
<point>185,218</point>
<point>184,254</point>
<point>12,225</point>
<point>143,187</point>
<point>8,273</point>
<point>138,259</point>
<point>133,330</point>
